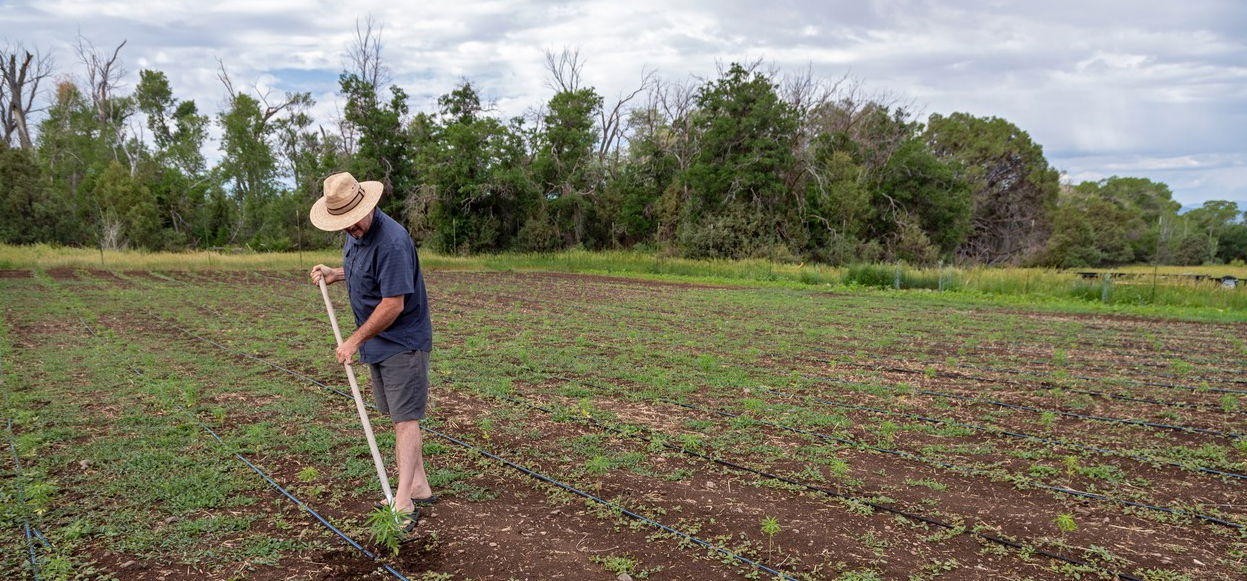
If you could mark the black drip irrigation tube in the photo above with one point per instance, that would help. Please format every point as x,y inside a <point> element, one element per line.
<point>1041,387</point>
<point>30,531</point>
<point>529,472</point>
<point>1003,432</point>
<point>1188,429</point>
<point>1045,374</point>
<point>968,469</point>
<point>1082,362</point>
<point>613,506</point>
<point>825,491</point>
<point>299,503</point>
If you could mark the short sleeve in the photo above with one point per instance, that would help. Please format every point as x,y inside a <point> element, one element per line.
<point>396,270</point>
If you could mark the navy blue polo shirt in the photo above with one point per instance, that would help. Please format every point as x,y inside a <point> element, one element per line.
<point>383,263</point>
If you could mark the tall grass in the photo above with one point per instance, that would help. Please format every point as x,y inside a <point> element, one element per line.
<point>1014,284</point>
<point>45,257</point>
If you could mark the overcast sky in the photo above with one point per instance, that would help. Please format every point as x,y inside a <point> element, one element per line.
<point>1130,88</point>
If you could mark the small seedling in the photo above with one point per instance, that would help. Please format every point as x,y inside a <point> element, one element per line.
<point>1071,465</point>
<point>770,526</point>
<point>486,425</point>
<point>1229,403</point>
<point>598,465</point>
<point>383,524</point>
<point>1066,523</point>
<point>308,474</point>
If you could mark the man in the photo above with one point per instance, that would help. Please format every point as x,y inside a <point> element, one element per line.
<point>394,335</point>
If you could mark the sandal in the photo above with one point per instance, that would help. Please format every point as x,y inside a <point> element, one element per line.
<point>426,501</point>
<point>408,521</point>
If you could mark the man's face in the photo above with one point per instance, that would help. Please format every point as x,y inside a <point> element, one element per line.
<point>359,228</point>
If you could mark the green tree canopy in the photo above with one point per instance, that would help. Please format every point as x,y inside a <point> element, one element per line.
<point>1013,189</point>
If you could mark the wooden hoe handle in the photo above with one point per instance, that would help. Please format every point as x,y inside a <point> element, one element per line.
<point>359,400</point>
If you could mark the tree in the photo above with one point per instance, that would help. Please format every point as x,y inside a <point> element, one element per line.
<point>1090,228</point>
<point>1146,203</point>
<point>926,202</point>
<point>565,163</point>
<point>479,193</point>
<point>104,76</point>
<point>21,72</point>
<point>176,171</point>
<point>71,149</point>
<point>1013,189</point>
<point>267,216</point>
<point>1214,219</point>
<point>27,214</point>
<point>738,204</point>
<point>649,169</point>
<point>374,130</point>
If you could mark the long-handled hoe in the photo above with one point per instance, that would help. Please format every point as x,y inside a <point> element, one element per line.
<point>384,522</point>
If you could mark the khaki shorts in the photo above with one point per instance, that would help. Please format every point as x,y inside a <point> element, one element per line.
<point>400,385</point>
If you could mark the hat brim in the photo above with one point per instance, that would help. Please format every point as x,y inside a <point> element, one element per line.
<point>322,219</point>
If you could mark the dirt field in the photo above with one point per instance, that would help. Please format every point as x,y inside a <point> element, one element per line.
<point>588,427</point>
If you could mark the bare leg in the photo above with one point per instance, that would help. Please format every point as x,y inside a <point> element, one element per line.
<point>412,481</point>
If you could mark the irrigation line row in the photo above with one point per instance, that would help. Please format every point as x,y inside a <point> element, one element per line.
<point>1044,374</point>
<point>1041,387</point>
<point>1079,377</point>
<point>1132,354</point>
<point>825,491</point>
<point>917,458</point>
<point>634,310</point>
<point>529,472</point>
<point>970,426</point>
<point>299,503</point>
<point>1058,489</point>
<point>911,456</point>
<point>1016,372</point>
<point>613,506</point>
<point>999,431</point>
<point>21,497</point>
<point>967,469</point>
<point>1188,429</point>
<point>1014,434</point>
<point>1197,356</point>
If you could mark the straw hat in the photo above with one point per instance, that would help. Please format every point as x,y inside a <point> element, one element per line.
<point>346,201</point>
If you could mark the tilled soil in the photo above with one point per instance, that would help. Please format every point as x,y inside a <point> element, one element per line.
<point>831,518</point>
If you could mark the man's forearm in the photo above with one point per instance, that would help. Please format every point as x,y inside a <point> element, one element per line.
<point>381,319</point>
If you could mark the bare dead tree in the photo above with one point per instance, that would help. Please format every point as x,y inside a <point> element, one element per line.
<point>103,76</point>
<point>363,57</point>
<point>19,85</point>
<point>564,68</point>
<point>223,76</point>
<point>674,104</point>
<point>362,60</point>
<point>612,126</point>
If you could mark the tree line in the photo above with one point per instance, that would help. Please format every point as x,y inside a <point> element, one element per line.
<point>751,163</point>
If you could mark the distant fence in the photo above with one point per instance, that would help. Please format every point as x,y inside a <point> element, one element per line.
<point>1226,281</point>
